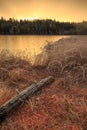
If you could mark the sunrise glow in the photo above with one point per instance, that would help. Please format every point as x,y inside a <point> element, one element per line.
<point>61,10</point>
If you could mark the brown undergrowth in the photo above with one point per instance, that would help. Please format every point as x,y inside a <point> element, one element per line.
<point>66,58</point>
<point>63,105</point>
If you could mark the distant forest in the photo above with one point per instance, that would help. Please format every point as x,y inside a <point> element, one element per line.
<point>41,27</point>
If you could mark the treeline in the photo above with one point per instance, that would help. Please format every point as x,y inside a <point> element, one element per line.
<point>41,27</point>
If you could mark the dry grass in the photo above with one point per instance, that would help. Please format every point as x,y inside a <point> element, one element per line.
<point>16,73</point>
<point>66,58</point>
<point>56,108</point>
<point>62,106</point>
<point>12,67</point>
<point>5,93</point>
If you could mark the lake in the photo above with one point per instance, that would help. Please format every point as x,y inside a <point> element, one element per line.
<point>28,44</point>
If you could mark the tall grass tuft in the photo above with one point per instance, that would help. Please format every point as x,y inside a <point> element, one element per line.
<point>66,58</point>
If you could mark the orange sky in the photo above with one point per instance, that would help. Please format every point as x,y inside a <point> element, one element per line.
<point>61,10</point>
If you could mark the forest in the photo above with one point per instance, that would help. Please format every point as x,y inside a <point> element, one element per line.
<point>41,27</point>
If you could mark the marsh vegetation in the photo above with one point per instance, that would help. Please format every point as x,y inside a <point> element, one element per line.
<point>62,106</point>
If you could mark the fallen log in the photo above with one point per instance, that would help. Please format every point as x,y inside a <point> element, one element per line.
<point>17,100</point>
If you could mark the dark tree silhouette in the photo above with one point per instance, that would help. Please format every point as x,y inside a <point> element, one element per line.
<point>41,27</point>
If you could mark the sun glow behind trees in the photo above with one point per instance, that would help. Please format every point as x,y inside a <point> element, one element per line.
<point>61,10</point>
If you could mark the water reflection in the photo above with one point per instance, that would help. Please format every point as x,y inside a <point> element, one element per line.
<point>30,45</point>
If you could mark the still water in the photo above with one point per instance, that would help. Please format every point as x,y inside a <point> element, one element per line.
<point>29,44</point>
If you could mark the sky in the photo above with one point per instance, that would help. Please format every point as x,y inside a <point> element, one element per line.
<point>60,10</point>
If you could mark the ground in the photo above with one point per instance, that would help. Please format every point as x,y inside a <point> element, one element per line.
<point>60,106</point>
